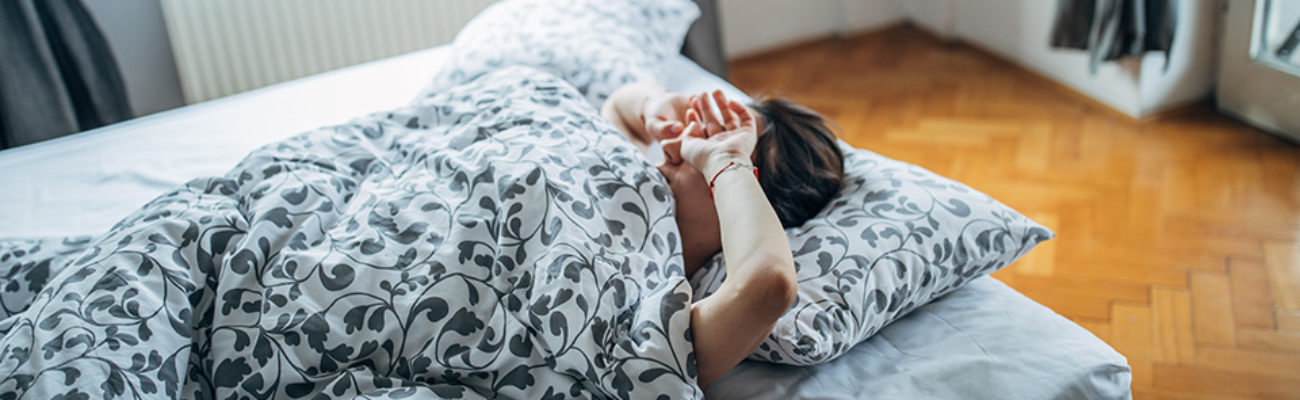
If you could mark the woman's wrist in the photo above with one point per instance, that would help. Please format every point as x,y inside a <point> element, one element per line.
<point>717,162</point>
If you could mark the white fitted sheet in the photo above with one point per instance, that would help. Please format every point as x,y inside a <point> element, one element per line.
<point>982,341</point>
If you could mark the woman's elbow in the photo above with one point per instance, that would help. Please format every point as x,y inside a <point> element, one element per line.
<point>787,289</point>
<point>774,288</point>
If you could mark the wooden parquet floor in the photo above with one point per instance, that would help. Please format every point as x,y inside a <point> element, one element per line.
<point>1178,238</point>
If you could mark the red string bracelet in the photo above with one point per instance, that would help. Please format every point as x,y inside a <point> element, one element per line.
<point>724,169</point>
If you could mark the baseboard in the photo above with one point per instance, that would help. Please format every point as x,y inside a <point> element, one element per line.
<point>1180,108</point>
<point>940,36</point>
<point>756,54</point>
<point>872,29</point>
<point>829,36</point>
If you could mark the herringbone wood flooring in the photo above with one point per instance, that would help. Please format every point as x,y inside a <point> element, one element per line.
<point>1178,238</point>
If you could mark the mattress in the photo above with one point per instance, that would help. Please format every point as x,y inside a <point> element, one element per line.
<point>982,341</point>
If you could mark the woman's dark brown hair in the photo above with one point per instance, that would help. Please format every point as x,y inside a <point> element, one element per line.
<point>800,165</point>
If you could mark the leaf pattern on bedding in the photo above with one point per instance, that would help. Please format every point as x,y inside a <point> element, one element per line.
<point>26,265</point>
<point>497,239</point>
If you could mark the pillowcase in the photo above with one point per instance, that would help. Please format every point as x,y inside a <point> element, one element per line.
<point>896,237</point>
<point>595,45</point>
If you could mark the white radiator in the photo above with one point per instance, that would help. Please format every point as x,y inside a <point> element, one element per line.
<point>224,47</point>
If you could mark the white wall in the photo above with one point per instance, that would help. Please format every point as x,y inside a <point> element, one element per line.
<point>1019,30</point>
<point>864,15</point>
<point>136,33</point>
<point>1191,73</point>
<point>750,26</point>
<point>936,16</point>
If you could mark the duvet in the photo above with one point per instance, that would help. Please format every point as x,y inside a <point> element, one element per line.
<point>496,239</point>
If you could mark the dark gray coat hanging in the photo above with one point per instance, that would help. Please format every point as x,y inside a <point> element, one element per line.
<point>1113,29</point>
<point>57,73</point>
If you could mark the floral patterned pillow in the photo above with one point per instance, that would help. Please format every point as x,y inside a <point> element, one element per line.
<point>896,237</point>
<point>595,45</point>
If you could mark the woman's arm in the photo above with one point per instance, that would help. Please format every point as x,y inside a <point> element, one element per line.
<point>760,282</point>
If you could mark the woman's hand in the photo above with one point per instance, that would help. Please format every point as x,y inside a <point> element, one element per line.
<point>662,115</point>
<point>718,131</point>
<point>646,113</point>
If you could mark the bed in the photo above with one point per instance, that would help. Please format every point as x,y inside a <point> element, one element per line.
<point>984,340</point>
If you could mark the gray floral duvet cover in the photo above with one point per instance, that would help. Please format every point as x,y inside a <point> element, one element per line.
<point>496,239</point>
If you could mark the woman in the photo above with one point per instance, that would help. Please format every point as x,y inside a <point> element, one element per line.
<point>737,180</point>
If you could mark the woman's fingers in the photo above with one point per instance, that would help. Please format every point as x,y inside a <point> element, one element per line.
<point>745,119</point>
<point>700,107</point>
<point>695,130</point>
<point>712,116</point>
<point>734,115</point>
<point>734,118</point>
<point>662,129</point>
<point>672,149</point>
<point>721,101</point>
<point>724,116</point>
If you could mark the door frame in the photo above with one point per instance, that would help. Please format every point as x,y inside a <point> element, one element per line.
<point>1250,88</point>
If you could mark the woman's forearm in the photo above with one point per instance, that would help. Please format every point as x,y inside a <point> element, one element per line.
<point>760,283</point>
<point>753,241</point>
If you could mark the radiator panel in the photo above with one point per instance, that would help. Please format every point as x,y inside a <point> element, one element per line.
<point>223,47</point>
